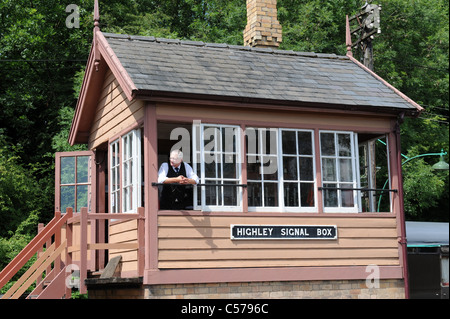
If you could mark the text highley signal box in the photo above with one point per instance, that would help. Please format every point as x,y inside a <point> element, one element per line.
<point>283,232</point>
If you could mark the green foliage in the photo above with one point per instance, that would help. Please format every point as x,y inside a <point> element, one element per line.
<point>315,25</point>
<point>412,53</point>
<point>20,193</point>
<point>426,191</point>
<point>423,188</point>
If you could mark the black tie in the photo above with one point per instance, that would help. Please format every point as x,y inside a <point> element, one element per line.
<point>177,169</point>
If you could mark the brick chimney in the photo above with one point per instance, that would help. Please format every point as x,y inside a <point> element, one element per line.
<point>263,29</point>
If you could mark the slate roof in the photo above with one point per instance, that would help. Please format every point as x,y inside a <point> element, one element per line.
<point>207,69</point>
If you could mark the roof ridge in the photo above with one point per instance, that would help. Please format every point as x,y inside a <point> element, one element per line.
<point>224,46</point>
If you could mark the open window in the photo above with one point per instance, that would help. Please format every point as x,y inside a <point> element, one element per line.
<point>74,180</point>
<point>355,172</point>
<point>281,170</point>
<point>217,162</point>
<point>125,173</point>
<point>338,157</point>
<point>374,173</point>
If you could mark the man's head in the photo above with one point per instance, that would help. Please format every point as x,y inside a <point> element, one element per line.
<point>176,157</point>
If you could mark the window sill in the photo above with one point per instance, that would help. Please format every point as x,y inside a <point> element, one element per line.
<point>273,214</point>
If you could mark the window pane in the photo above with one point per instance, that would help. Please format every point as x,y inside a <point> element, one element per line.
<point>131,171</point>
<point>211,194</point>
<point>115,201</point>
<point>306,169</point>
<point>210,170</point>
<point>252,140</point>
<point>229,139</point>
<point>344,145</point>
<point>230,195</point>
<point>229,166</point>
<point>125,173</point>
<point>307,194</point>
<point>270,194</point>
<point>83,169</point>
<point>290,168</point>
<point>288,142</point>
<point>130,146</point>
<point>304,143</point>
<point>113,155</point>
<point>253,167</point>
<point>210,140</point>
<point>330,196</point>
<point>327,146</point>
<point>67,197</point>
<point>270,168</point>
<point>347,196</point>
<point>82,196</point>
<point>329,169</point>
<point>345,170</point>
<point>291,194</point>
<point>269,141</point>
<point>67,170</point>
<point>126,203</point>
<point>254,194</point>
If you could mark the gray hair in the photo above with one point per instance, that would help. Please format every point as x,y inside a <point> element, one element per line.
<point>178,152</point>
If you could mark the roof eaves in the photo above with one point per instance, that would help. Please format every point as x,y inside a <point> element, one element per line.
<point>122,76</point>
<point>418,108</point>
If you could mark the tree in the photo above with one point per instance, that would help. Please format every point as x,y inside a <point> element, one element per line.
<point>412,53</point>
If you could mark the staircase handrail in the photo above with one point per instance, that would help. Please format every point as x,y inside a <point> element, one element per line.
<point>32,248</point>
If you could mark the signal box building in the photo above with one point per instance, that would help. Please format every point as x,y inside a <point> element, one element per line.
<point>299,190</point>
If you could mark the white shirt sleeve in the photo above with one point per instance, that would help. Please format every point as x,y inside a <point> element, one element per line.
<point>164,169</point>
<point>162,173</point>
<point>190,173</point>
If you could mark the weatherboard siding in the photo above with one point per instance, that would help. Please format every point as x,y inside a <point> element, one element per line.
<point>277,117</point>
<point>120,233</point>
<point>186,242</point>
<point>114,112</point>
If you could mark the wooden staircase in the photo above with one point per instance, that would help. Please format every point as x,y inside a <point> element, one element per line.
<point>47,271</point>
<point>54,266</point>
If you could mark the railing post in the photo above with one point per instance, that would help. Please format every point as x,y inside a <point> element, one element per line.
<point>83,249</point>
<point>40,252</point>
<point>68,259</point>
<point>141,240</point>
<point>57,263</point>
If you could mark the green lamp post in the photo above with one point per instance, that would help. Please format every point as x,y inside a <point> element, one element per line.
<point>441,165</point>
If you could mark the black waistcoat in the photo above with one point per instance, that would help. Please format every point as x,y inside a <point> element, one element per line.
<point>175,196</point>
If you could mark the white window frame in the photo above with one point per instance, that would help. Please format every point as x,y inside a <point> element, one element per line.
<point>114,176</point>
<point>129,168</point>
<point>199,160</point>
<point>258,153</point>
<point>299,209</point>
<point>281,207</point>
<point>355,172</point>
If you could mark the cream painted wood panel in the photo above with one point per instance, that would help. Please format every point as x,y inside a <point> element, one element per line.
<point>278,118</point>
<point>204,242</point>
<point>124,232</point>
<point>114,112</point>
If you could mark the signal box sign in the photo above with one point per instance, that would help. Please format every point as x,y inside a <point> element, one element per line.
<point>283,232</point>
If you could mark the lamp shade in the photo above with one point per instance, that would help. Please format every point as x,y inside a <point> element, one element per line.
<point>441,165</point>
